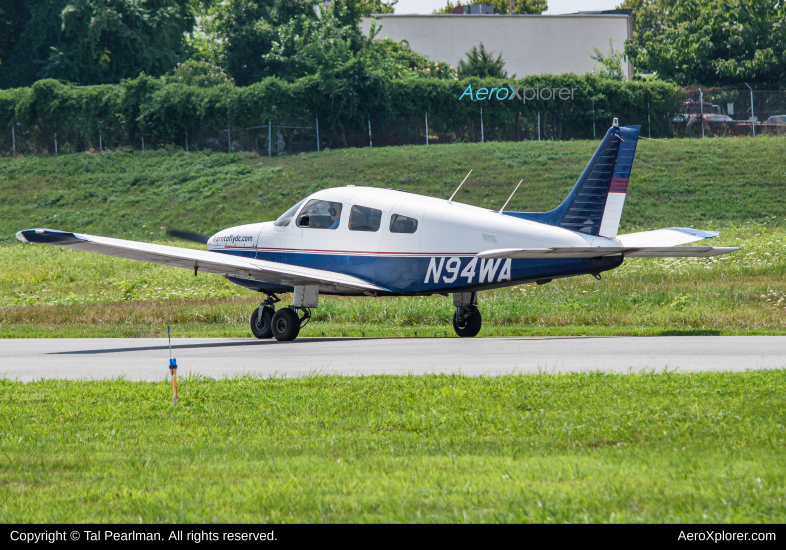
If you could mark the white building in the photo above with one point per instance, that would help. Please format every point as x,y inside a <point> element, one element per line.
<point>530,44</point>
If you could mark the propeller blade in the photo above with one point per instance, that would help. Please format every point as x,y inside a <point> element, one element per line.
<point>188,236</point>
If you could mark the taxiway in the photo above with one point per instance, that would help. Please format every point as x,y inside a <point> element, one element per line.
<point>147,359</point>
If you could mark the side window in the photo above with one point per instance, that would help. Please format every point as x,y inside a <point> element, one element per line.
<point>319,214</point>
<point>362,218</point>
<point>402,224</point>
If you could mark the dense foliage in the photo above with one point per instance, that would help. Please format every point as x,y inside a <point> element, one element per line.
<point>90,41</point>
<point>710,42</point>
<point>609,64</point>
<point>344,99</point>
<point>398,60</point>
<point>501,6</point>
<point>198,73</point>
<point>288,39</point>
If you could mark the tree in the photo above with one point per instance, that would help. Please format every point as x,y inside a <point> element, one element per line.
<point>610,62</point>
<point>522,7</point>
<point>482,64</point>
<point>93,41</point>
<point>201,74</point>
<point>397,60</point>
<point>380,6</point>
<point>287,38</point>
<point>13,17</point>
<point>709,42</point>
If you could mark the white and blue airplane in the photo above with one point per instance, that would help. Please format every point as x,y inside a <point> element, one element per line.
<point>364,241</point>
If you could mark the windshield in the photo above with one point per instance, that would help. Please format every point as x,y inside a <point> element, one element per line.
<point>287,216</point>
<point>320,215</point>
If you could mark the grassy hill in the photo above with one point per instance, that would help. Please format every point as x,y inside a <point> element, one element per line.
<point>135,195</point>
<point>735,185</point>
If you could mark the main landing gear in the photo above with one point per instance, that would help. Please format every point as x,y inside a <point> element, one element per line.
<point>467,320</point>
<point>284,325</point>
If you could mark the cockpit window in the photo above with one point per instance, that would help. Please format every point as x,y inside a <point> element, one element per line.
<point>319,214</point>
<point>402,224</point>
<point>287,216</point>
<point>362,218</point>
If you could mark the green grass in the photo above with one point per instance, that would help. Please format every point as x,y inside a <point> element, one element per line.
<point>132,194</point>
<point>527,448</point>
<point>660,447</point>
<point>730,184</point>
<point>51,292</point>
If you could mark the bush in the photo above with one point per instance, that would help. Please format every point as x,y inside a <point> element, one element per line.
<point>163,111</point>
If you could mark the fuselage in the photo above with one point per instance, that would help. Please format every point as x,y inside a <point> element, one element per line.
<point>407,243</point>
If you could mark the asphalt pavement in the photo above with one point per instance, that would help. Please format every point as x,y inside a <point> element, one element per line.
<point>147,358</point>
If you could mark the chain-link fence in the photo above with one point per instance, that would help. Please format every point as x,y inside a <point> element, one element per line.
<point>732,111</point>
<point>703,112</point>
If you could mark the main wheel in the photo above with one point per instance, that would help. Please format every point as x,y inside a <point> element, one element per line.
<point>467,323</point>
<point>286,325</point>
<point>262,328</point>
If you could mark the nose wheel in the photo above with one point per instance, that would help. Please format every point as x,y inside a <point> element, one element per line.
<point>262,318</point>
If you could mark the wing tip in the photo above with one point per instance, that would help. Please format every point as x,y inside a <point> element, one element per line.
<point>48,236</point>
<point>697,232</point>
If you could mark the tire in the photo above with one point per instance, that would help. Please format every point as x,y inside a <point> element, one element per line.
<point>262,330</point>
<point>285,325</point>
<point>467,327</point>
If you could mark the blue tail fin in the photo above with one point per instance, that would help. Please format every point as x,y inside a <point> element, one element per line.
<point>594,206</point>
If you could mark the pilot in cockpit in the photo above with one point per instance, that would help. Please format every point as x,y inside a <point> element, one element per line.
<point>335,215</point>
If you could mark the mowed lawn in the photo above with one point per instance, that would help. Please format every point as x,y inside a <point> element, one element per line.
<point>734,185</point>
<point>51,292</point>
<point>658,447</point>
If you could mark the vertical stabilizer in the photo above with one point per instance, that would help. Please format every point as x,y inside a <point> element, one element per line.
<point>594,205</point>
<point>618,188</point>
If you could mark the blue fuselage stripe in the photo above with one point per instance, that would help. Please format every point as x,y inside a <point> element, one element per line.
<point>408,274</point>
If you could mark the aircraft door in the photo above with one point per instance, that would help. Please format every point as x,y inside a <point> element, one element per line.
<point>398,265</point>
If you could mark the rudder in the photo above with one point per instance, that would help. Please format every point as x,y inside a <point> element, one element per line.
<point>594,205</point>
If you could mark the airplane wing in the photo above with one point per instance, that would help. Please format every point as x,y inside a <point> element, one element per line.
<point>598,251</point>
<point>203,260</point>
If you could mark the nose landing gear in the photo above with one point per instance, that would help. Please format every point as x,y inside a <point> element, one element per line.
<point>262,318</point>
<point>467,320</point>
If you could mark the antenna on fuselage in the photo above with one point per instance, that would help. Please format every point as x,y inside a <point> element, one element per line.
<point>459,187</point>
<point>510,197</point>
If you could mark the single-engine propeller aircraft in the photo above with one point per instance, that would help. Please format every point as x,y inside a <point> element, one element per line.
<point>362,241</point>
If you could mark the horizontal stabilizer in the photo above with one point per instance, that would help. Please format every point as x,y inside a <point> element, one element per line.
<point>600,251</point>
<point>200,260</point>
<point>671,236</point>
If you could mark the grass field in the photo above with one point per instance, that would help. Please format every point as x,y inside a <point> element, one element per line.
<point>657,447</point>
<point>527,448</point>
<point>733,185</point>
<point>51,292</point>
<point>135,195</point>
